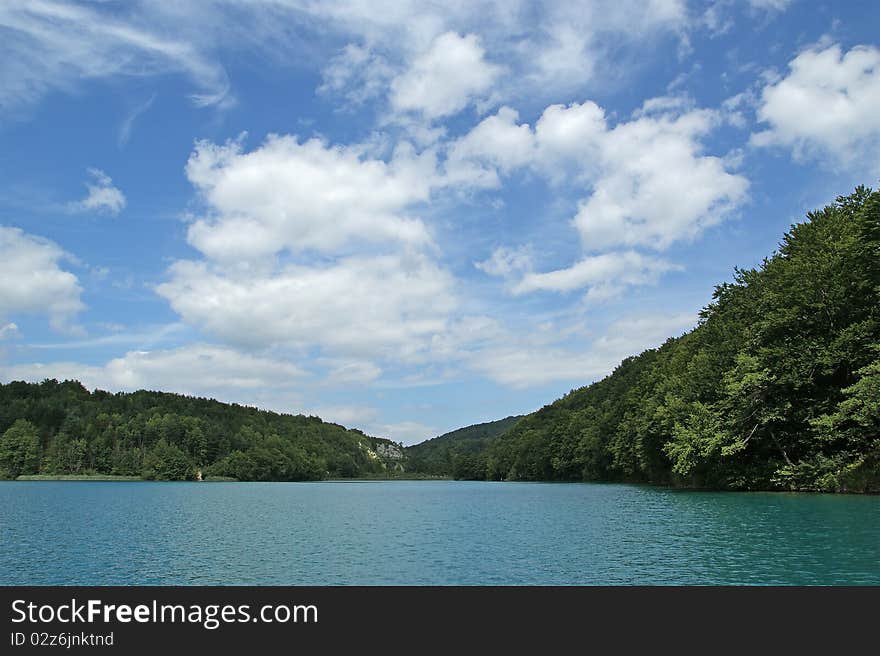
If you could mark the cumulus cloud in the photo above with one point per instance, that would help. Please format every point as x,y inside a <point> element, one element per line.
<point>647,182</point>
<point>655,186</point>
<point>299,196</point>
<point>387,306</point>
<point>826,106</point>
<point>316,248</point>
<point>103,196</point>
<point>446,78</point>
<point>651,184</point>
<point>497,145</point>
<point>32,280</point>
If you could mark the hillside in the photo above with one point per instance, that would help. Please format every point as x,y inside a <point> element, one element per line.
<point>455,453</point>
<point>778,387</point>
<point>63,428</point>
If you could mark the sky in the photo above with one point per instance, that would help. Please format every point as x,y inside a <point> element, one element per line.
<point>404,217</point>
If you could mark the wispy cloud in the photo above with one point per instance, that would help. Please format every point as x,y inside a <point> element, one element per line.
<point>127,124</point>
<point>49,46</point>
<point>142,339</point>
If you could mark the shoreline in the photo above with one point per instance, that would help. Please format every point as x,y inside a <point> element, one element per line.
<point>110,478</point>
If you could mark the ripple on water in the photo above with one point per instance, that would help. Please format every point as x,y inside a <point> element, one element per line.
<point>429,532</point>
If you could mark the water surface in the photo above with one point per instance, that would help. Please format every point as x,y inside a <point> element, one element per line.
<point>429,532</point>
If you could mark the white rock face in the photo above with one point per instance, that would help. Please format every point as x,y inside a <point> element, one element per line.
<point>390,451</point>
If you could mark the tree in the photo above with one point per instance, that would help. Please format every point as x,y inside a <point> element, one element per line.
<point>167,462</point>
<point>20,450</point>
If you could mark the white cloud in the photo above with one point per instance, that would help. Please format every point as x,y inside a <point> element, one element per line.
<point>770,5</point>
<point>496,145</point>
<point>103,196</point>
<point>346,372</point>
<point>827,105</point>
<point>298,196</point>
<point>446,78</point>
<point>9,330</point>
<point>529,363</point>
<point>566,58</point>
<point>574,41</point>
<point>570,140</point>
<point>357,73</point>
<point>565,138</point>
<point>345,415</point>
<point>605,275</point>
<point>506,261</point>
<point>51,46</point>
<point>199,370</point>
<point>528,366</point>
<point>32,280</point>
<point>651,184</point>
<point>368,419</point>
<point>404,432</point>
<point>367,306</point>
<point>145,338</point>
<point>314,247</point>
<point>655,186</point>
<point>127,125</point>
<point>548,48</point>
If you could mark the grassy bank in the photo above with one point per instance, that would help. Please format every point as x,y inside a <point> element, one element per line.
<point>77,477</point>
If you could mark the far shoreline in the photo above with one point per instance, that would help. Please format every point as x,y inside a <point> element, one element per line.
<point>111,478</point>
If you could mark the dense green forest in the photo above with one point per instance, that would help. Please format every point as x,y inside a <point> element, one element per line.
<point>62,428</point>
<point>458,453</point>
<point>778,387</point>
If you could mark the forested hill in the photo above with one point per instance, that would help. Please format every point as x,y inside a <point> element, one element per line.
<point>457,453</point>
<point>62,428</point>
<point>778,387</point>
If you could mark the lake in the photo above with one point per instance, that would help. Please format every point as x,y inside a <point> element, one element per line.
<point>429,532</point>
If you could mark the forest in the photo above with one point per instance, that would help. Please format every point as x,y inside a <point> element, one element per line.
<point>777,387</point>
<point>457,453</point>
<point>61,428</point>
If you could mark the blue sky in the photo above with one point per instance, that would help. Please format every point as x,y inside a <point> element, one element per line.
<point>404,217</point>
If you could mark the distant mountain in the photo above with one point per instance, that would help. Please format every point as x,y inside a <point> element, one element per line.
<point>53,428</point>
<point>453,453</point>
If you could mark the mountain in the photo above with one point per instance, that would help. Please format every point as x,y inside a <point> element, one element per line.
<point>777,388</point>
<point>63,428</point>
<point>454,453</point>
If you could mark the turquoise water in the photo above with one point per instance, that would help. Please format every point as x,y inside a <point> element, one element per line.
<point>415,532</point>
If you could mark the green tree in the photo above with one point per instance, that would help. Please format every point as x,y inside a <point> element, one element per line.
<point>20,450</point>
<point>167,462</point>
